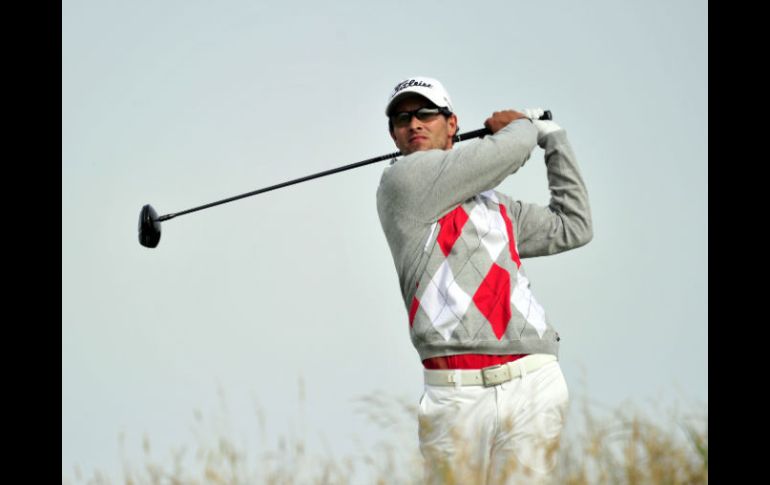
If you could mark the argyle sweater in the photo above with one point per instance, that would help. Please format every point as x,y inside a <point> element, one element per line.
<point>457,244</point>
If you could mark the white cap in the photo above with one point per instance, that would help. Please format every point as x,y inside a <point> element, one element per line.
<point>424,86</point>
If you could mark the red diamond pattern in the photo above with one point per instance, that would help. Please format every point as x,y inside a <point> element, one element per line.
<point>451,226</point>
<point>493,299</point>
<point>511,240</point>
<point>413,311</point>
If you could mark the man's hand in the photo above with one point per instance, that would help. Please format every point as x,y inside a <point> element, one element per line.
<point>544,127</point>
<point>501,119</point>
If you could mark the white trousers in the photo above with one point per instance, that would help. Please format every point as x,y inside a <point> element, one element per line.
<point>505,434</point>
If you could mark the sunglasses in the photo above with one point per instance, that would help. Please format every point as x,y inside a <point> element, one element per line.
<point>423,114</point>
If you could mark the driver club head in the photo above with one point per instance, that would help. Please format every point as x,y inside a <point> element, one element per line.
<point>149,227</point>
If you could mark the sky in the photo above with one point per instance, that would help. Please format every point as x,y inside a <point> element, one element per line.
<point>286,305</point>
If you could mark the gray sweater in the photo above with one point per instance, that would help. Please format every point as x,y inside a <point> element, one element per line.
<point>457,244</point>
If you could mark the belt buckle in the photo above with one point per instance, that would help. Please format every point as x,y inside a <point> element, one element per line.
<point>494,375</point>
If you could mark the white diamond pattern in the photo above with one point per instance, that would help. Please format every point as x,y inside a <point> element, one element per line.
<point>490,194</point>
<point>491,229</point>
<point>524,301</point>
<point>444,301</point>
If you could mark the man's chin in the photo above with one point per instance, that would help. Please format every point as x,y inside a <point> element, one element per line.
<point>418,146</point>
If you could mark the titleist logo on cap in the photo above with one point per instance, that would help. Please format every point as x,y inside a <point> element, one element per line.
<point>409,83</point>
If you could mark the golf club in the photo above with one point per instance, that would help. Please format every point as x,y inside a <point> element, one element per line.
<point>149,222</point>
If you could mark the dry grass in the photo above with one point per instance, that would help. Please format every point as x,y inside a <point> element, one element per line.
<point>627,447</point>
<point>619,447</point>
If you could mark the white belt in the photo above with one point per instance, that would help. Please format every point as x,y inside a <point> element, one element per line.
<point>488,376</point>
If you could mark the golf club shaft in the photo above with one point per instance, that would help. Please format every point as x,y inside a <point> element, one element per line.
<point>283,184</point>
<point>460,137</point>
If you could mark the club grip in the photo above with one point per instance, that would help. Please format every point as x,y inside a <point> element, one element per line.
<point>485,131</point>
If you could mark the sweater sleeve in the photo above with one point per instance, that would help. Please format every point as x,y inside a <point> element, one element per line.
<point>566,222</point>
<point>428,184</point>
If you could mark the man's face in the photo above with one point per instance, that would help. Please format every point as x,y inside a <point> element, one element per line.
<point>419,135</point>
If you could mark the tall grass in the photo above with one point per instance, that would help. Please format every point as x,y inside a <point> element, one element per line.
<point>625,446</point>
<point>621,446</point>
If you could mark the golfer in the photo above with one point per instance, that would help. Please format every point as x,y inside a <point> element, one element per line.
<point>495,397</point>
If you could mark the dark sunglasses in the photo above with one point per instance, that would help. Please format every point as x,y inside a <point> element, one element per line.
<point>423,114</point>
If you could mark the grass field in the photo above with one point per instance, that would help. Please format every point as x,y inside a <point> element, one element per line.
<point>620,446</point>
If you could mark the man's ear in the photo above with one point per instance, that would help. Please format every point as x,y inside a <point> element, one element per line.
<point>452,120</point>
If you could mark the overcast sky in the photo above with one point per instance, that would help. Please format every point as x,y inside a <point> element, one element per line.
<point>179,103</point>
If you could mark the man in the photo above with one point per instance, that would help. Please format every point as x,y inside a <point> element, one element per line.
<point>495,396</point>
